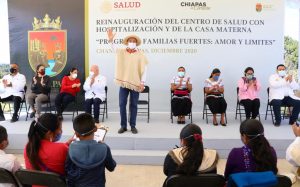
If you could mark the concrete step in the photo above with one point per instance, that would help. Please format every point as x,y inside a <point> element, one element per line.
<point>139,157</point>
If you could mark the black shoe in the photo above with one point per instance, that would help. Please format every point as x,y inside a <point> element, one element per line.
<point>14,119</point>
<point>121,130</point>
<point>223,124</point>
<point>96,120</point>
<point>215,124</point>
<point>134,130</point>
<point>32,114</point>
<point>2,118</point>
<point>277,124</point>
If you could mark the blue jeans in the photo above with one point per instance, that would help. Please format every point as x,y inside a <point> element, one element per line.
<point>134,97</point>
<point>88,106</point>
<point>277,103</point>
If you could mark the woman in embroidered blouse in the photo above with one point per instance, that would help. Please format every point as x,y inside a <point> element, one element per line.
<point>249,88</point>
<point>181,104</point>
<point>255,155</point>
<point>191,157</point>
<point>214,90</point>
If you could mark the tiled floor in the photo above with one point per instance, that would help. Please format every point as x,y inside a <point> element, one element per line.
<point>152,176</point>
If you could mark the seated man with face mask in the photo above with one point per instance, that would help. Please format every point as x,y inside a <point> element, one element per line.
<point>14,91</point>
<point>94,87</point>
<point>282,88</point>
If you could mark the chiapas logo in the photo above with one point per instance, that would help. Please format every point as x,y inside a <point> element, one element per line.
<point>47,45</point>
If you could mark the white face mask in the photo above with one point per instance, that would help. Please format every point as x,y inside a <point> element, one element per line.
<point>281,73</point>
<point>91,73</point>
<point>131,45</point>
<point>74,76</point>
<point>180,73</point>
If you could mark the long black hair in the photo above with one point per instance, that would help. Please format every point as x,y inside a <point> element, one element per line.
<point>216,70</point>
<point>259,145</point>
<point>37,131</point>
<point>193,150</point>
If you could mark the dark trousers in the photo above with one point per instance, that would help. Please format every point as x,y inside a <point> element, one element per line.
<point>277,103</point>
<point>88,106</point>
<point>17,102</point>
<point>134,97</point>
<point>251,107</point>
<point>217,105</point>
<point>181,106</point>
<point>62,100</point>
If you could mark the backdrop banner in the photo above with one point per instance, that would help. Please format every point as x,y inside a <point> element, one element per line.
<point>199,35</point>
<point>47,32</point>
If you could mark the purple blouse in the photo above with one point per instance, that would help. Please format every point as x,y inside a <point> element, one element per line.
<point>239,161</point>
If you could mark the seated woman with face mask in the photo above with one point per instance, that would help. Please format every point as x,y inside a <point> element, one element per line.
<point>181,103</point>
<point>249,88</point>
<point>214,90</point>
<point>40,88</point>
<point>42,151</point>
<point>70,85</point>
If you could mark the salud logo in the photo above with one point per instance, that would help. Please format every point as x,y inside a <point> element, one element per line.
<point>258,7</point>
<point>47,45</point>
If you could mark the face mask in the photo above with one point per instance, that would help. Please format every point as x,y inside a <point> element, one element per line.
<point>181,74</point>
<point>216,78</point>
<point>74,76</point>
<point>281,73</point>
<point>57,137</point>
<point>249,77</point>
<point>91,73</point>
<point>131,45</point>
<point>42,72</point>
<point>12,70</point>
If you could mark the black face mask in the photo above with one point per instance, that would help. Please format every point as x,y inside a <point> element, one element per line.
<point>12,70</point>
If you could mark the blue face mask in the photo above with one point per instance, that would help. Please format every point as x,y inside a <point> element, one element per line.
<point>181,74</point>
<point>57,137</point>
<point>281,73</point>
<point>216,78</point>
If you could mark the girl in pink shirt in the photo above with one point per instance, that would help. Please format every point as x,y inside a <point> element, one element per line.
<point>248,89</point>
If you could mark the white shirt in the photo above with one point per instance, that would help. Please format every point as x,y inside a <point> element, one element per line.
<point>9,162</point>
<point>208,83</point>
<point>280,88</point>
<point>17,89</point>
<point>97,89</point>
<point>176,81</point>
<point>293,152</point>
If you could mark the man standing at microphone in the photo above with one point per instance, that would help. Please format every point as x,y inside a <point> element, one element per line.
<point>282,88</point>
<point>130,75</point>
